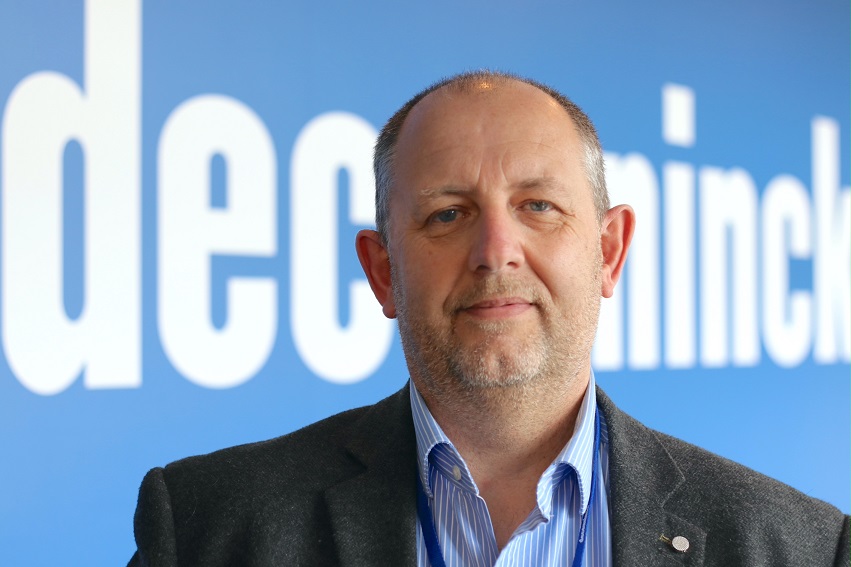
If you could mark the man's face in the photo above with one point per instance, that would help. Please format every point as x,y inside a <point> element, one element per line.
<point>494,242</point>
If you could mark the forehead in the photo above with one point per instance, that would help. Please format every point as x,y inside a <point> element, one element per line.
<point>509,125</point>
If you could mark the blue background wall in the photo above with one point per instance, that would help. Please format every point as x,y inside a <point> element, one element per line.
<point>102,377</point>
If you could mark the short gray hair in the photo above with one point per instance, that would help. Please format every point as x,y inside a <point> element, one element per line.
<point>385,146</point>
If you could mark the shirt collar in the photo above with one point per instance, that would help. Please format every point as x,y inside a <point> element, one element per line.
<point>577,454</point>
<point>429,435</point>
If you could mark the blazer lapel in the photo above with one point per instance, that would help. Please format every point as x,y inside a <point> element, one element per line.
<point>373,514</point>
<point>644,479</point>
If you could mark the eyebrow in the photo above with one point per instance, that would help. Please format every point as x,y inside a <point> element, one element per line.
<point>526,184</point>
<point>430,192</point>
<point>539,183</point>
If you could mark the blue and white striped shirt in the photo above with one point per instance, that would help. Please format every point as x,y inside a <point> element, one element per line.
<point>549,534</point>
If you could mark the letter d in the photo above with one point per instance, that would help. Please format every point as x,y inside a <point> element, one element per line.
<point>45,350</point>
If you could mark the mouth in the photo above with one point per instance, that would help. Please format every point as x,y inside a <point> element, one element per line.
<point>498,308</point>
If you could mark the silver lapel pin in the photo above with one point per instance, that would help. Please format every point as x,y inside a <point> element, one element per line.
<point>679,543</point>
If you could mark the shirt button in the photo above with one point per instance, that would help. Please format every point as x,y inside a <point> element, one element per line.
<point>680,544</point>
<point>456,472</point>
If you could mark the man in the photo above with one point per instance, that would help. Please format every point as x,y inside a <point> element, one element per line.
<point>495,243</point>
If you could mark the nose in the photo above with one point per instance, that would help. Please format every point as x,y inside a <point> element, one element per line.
<point>497,243</point>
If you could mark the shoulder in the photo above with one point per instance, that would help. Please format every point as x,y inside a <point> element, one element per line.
<point>319,446</point>
<point>747,513</point>
<point>314,456</point>
<point>713,479</point>
<point>266,501</point>
<point>743,514</point>
<point>724,487</point>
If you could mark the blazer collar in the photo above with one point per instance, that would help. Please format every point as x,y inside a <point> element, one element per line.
<point>373,513</point>
<point>644,481</point>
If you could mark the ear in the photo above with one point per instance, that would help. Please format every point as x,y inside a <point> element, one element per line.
<point>375,262</point>
<point>615,236</point>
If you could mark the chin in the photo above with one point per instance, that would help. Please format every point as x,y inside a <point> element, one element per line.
<point>498,370</point>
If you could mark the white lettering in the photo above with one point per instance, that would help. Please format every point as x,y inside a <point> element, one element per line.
<point>832,263</point>
<point>728,207</point>
<point>45,350</point>
<point>680,281</point>
<point>190,232</point>
<point>787,317</point>
<point>678,113</point>
<point>631,179</point>
<point>339,354</point>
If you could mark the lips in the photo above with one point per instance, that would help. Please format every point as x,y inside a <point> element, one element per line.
<point>495,298</point>
<point>498,308</point>
<point>499,302</point>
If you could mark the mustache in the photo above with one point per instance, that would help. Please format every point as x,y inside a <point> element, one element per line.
<point>495,287</point>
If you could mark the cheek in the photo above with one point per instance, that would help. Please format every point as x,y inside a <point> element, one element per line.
<point>421,283</point>
<point>435,265</point>
<point>567,273</point>
<point>432,287</point>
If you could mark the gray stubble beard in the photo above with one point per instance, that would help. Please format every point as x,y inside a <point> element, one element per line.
<point>453,376</point>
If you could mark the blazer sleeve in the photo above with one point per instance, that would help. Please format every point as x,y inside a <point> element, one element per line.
<point>843,553</point>
<point>153,524</point>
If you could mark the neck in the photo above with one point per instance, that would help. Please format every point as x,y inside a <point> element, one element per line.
<point>508,437</point>
<point>506,430</point>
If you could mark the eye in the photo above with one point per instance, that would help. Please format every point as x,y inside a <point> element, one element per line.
<point>540,206</point>
<point>447,216</point>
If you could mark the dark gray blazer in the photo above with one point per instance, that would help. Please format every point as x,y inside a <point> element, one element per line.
<point>342,492</point>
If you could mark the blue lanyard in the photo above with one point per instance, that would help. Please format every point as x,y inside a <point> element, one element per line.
<point>435,555</point>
